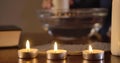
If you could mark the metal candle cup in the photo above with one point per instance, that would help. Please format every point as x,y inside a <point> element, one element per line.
<point>22,53</point>
<point>55,55</point>
<point>95,55</point>
<point>91,54</point>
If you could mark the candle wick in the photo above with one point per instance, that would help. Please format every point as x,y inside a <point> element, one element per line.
<point>55,47</point>
<point>27,46</point>
<point>55,51</point>
<point>28,50</point>
<point>91,51</point>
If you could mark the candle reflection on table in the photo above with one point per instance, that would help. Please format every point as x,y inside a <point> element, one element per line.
<point>34,60</point>
<point>56,61</point>
<point>87,61</point>
<point>115,59</point>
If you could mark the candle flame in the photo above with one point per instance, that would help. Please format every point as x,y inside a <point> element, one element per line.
<point>27,45</point>
<point>90,49</point>
<point>55,46</point>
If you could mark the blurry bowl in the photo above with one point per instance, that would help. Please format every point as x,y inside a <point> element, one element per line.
<point>71,25</point>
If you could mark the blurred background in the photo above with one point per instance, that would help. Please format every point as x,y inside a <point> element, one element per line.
<point>22,13</point>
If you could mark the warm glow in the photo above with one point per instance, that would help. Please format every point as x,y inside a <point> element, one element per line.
<point>90,49</point>
<point>27,45</point>
<point>55,46</point>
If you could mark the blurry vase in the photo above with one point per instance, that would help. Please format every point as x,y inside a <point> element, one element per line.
<point>115,36</point>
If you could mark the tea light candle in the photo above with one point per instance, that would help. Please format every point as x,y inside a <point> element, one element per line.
<point>56,53</point>
<point>28,52</point>
<point>93,54</point>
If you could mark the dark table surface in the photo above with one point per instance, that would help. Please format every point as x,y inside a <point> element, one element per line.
<point>11,56</point>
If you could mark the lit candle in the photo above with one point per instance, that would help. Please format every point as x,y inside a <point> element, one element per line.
<point>27,52</point>
<point>90,49</point>
<point>28,46</point>
<point>93,54</point>
<point>56,53</point>
<point>55,47</point>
